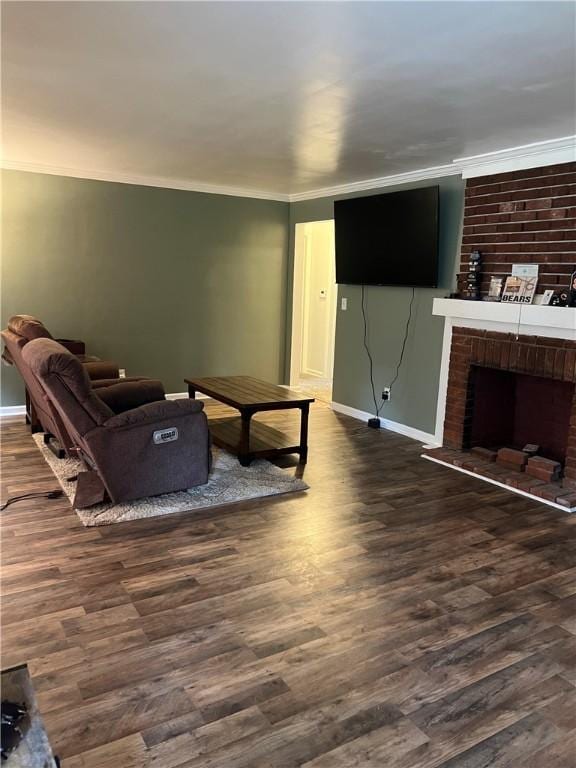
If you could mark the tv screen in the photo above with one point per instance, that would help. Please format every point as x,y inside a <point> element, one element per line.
<point>389,239</point>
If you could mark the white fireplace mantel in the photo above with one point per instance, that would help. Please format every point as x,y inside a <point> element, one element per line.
<point>524,319</point>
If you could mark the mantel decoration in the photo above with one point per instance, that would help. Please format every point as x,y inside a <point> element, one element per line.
<point>495,289</point>
<point>572,293</point>
<point>473,277</point>
<point>520,287</point>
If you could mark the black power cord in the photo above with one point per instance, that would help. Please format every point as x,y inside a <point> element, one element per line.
<point>367,348</point>
<point>395,379</point>
<point>38,495</point>
<point>377,408</point>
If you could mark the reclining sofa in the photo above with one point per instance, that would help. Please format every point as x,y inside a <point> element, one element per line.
<point>120,394</point>
<point>145,451</point>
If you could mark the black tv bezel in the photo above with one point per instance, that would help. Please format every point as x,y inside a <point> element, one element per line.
<point>433,286</point>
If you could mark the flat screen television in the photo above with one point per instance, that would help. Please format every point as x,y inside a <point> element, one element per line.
<point>389,239</point>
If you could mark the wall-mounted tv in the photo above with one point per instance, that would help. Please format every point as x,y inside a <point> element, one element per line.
<point>389,239</point>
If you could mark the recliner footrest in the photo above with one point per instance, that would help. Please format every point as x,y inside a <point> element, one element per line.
<point>90,490</point>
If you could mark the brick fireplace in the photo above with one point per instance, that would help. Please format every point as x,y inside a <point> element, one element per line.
<point>545,361</point>
<point>508,372</point>
<point>504,391</point>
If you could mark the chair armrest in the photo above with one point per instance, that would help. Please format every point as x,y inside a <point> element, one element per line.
<point>156,448</point>
<point>154,412</point>
<point>100,383</point>
<point>125,396</point>
<point>75,346</point>
<point>101,370</point>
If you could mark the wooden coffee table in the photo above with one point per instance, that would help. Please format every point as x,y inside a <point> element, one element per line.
<point>238,434</point>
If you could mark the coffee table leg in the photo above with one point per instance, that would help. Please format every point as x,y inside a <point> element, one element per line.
<point>191,392</point>
<point>244,448</point>
<point>304,410</point>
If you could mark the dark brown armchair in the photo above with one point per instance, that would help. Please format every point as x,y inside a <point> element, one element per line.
<point>152,449</point>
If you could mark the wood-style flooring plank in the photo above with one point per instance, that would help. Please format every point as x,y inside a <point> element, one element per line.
<point>398,614</point>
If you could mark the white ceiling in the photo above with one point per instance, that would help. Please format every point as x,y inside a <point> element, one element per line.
<point>281,97</point>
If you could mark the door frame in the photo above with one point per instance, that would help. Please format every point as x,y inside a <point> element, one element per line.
<point>298,302</point>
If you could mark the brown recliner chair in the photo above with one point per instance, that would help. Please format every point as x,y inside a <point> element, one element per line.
<point>120,394</point>
<point>156,448</point>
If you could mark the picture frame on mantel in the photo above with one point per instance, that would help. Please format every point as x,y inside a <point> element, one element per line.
<point>520,286</point>
<point>495,289</point>
<point>519,290</point>
<point>572,291</point>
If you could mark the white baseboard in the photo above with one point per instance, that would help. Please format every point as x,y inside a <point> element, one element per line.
<point>184,395</point>
<point>12,410</point>
<point>393,426</point>
<point>20,410</point>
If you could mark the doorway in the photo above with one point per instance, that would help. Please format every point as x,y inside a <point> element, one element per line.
<point>314,309</point>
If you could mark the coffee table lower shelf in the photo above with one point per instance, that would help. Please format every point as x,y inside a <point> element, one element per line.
<point>265,441</point>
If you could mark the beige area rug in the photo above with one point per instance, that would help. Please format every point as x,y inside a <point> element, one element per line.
<point>229,482</point>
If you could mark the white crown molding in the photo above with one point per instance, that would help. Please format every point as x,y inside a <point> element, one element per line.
<point>383,181</point>
<point>541,153</point>
<point>520,158</point>
<point>192,186</point>
<point>144,181</point>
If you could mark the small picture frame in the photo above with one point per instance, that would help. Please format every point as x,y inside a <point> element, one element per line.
<point>519,290</point>
<point>547,297</point>
<point>572,291</point>
<point>495,288</point>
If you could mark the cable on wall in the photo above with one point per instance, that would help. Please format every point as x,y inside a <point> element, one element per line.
<point>378,408</point>
<point>407,330</point>
<point>519,321</point>
<point>367,348</point>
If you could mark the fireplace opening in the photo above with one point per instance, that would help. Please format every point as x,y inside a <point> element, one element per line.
<point>514,409</point>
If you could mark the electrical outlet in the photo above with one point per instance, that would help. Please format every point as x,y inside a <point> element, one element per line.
<point>386,393</point>
<point>344,304</point>
<point>122,373</point>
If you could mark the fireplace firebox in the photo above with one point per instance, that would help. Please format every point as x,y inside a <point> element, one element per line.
<point>515,409</point>
<point>506,391</point>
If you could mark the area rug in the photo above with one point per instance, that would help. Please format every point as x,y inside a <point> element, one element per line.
<point>229,483</point>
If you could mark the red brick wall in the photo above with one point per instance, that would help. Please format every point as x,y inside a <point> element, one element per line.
<point>523,217</point>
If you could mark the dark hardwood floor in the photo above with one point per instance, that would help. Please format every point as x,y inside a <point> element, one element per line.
<point>397,615</point>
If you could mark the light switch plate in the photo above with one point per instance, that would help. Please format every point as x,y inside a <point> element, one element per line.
<point>344,303</point>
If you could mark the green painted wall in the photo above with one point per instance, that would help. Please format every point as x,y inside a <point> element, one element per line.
<point>416,391</point>
<point>171,283</point>
<point>167,283</point>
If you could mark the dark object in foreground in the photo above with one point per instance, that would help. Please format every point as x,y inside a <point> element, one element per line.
<point>24,740</point>
<point>13,726</point>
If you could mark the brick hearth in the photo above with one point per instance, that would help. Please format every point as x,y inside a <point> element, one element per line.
<point>469,461</point>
